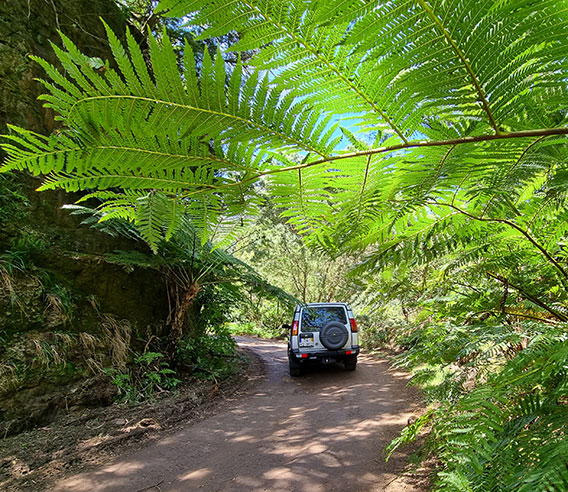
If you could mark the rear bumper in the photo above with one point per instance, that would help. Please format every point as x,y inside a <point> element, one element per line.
<point>323,354</point>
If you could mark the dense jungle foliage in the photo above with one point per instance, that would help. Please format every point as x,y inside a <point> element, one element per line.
<point>408,156</point>
<point>88,314</point>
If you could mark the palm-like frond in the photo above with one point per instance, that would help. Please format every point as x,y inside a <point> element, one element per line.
<point>136,129</point>
<point>451,87</point>
<point>510,435</point>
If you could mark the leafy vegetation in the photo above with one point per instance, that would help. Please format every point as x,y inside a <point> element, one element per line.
<point>203,282</point>
<point>12,200</point>
<point>492,365</point>
<point>147,375</point>
<point>420,144</point>
<point>508,432</point>
<point>210,357</point>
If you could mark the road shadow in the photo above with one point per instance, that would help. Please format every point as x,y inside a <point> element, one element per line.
<point>325,431</point>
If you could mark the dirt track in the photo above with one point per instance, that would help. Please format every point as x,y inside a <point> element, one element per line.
<point>323,432</point>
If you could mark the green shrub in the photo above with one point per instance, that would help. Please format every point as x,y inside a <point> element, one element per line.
<point>12,201</point>
<point>211,356</point>
<point>257,330</point>
<point>507,431</point>
<point>23,251</point>
<point>148,375</point>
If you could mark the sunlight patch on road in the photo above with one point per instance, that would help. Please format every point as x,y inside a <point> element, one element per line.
<point>197,474</point>
<point>281,473</point>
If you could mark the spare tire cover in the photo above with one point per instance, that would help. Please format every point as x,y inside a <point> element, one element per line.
<point>333,335</point>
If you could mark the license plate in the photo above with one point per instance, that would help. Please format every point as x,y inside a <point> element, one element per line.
<point>306,341</point>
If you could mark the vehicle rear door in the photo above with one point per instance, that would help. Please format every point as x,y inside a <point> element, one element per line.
<point>313,317</point>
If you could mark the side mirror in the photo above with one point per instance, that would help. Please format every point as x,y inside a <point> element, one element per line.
<point>286,326</point>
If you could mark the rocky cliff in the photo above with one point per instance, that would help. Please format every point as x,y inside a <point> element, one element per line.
<point>64,311</point>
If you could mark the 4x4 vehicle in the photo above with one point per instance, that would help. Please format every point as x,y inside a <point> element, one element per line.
<point>323,332</point>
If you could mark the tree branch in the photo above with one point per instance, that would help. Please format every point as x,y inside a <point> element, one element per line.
<point>533,241</point>
<point>508,313</point>
<point>530,297</point>
<point>543,132</point>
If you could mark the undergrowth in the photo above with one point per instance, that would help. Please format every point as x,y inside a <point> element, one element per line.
<point>148,374</point>
<point>212,356</point>
<point>499,406</point>
<point>60,357</point>
<point>256,330</point>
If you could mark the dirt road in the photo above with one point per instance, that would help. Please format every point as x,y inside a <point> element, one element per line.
<point>323,432</point>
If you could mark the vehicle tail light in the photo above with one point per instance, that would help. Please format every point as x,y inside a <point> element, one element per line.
<point>304,356</point>
<point>295,328</point>
<point>354,328</point>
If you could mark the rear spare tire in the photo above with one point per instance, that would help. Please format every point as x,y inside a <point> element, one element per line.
<point>333,335</point>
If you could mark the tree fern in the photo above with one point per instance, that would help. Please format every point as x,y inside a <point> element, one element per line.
<point>513,422</point>
<point>137,130</point>
<point>413,69</point>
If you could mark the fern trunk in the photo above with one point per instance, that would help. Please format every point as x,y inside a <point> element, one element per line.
<point>182,304</point>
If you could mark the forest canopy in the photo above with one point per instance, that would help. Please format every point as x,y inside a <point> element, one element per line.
<point>370,122</point>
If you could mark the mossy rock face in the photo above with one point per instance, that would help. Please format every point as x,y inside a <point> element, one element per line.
<point>28,27</point>
<point>39,405</point>
<point>74,256</point>
<point>57,292</point>
<point>44,372</point>
<point>69,258</point>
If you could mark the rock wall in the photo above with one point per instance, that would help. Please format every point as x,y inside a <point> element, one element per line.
<point>27,27</point>
<point>74,255</point>
<point>68,313</point>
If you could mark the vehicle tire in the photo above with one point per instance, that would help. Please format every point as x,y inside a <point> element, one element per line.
<point>295,368</point>
<point>350,363</point>
<point>333,335</point>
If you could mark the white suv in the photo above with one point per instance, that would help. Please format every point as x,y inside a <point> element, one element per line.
<point>324,332</point>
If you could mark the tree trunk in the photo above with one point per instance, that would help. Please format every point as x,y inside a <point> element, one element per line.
<point>405,312</point>
<point>183,302</point>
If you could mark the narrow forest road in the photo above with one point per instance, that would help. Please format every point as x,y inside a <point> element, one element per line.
<point>323,432</point>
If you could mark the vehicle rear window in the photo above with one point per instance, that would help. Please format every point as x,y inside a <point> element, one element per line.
<point>314,318</point>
